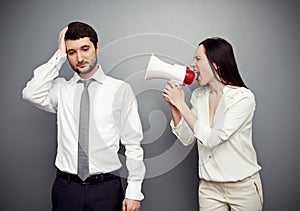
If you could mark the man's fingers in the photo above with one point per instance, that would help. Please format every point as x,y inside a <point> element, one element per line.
<point>61,40</point>
<point>124,205</point>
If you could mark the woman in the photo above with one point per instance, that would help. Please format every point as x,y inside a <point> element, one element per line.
<point>221,122</point>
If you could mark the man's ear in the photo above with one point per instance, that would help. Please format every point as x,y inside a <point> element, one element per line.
<point>97,48</point>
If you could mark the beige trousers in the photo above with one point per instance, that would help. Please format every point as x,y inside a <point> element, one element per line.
<point>244,195</point>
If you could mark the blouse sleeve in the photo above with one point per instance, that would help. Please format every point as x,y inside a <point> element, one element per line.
<point>182,130</point>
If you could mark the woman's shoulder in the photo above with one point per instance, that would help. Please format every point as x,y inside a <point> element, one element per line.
<point>235,93</point>
<point>237,90</point>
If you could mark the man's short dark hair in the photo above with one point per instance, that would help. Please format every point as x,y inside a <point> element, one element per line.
<point>77,30</point>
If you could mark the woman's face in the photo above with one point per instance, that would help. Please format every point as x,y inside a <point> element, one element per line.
<point>201,66</point>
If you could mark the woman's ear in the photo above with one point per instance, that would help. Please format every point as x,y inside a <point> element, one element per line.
<point>216,66</point>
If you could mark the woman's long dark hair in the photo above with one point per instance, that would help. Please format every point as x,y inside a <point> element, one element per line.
<point>220,52</point>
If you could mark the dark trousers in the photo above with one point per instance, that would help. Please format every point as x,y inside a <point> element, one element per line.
<point>68,195</point>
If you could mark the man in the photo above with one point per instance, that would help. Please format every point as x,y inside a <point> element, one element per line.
<point>94,112</point>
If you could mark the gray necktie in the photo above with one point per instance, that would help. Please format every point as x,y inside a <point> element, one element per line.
<point>83,136</point>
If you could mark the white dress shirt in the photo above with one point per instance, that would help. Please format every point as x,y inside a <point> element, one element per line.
<point>226,153</point>
<point>113,117</point>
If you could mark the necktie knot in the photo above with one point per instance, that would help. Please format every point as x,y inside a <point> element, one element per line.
<point>86,83</point>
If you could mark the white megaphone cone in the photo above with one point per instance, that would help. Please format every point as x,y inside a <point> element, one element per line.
<point>158,69</point>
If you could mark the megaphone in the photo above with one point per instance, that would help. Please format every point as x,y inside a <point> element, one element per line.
<point>158,69</point>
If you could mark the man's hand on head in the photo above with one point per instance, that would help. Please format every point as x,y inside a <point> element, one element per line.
<point>61,46</point>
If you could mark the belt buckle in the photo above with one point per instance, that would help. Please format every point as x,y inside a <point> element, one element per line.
<point>93,179</point>
<point>85,183</point>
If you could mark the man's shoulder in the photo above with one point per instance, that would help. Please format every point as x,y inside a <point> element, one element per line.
<point>109,80</point>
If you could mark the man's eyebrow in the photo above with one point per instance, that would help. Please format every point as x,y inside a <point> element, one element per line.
<point>85,46</point>
<point>69,50</point>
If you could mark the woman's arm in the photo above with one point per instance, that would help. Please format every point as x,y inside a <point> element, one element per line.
<point>179,125</point>
<point>174,95</point>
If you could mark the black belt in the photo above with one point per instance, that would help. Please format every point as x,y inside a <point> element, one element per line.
<point>94,179</point>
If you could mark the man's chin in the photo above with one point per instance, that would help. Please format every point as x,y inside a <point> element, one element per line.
<point>77,71</point>
<point>82,71</point>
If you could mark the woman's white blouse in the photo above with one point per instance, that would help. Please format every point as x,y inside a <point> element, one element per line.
<point>226,152</point>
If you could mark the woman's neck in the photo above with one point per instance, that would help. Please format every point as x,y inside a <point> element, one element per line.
<point>216,87</point>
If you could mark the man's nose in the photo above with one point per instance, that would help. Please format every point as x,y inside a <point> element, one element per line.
<point>79,57</point>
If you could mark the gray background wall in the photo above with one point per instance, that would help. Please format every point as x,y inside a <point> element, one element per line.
<point>265,35</point>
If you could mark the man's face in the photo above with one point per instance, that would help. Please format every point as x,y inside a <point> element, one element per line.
<point>82,56</point>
